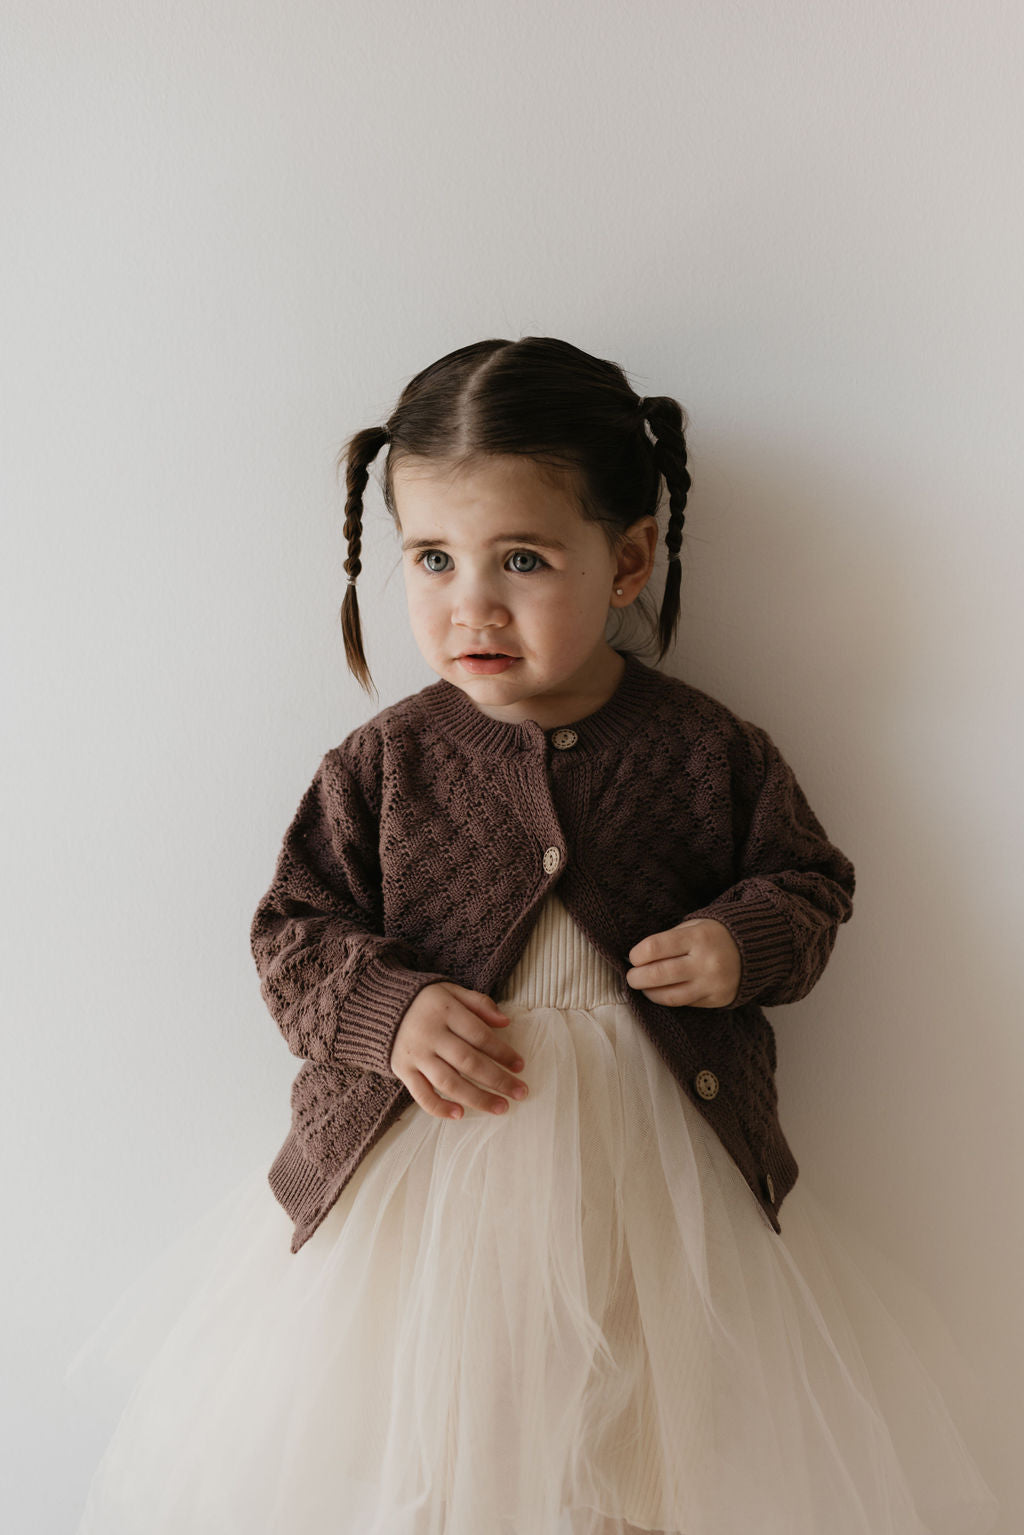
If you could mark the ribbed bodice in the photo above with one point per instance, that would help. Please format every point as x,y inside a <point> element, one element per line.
<point>560,966</point>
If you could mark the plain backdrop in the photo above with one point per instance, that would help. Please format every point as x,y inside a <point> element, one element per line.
<point>232,232</point>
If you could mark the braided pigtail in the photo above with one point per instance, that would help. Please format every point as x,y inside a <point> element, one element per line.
<point>668,422</point>
<point>357,455</point>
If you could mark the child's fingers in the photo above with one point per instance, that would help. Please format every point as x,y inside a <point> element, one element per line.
<point>675,996</point>
<point>463,1081</point>
<point>492,1015</point>
<point>423,1092</point>
<point>689,994</point>
<point>662,972</point>
<point>705,959</point>
<point>492,1009</point>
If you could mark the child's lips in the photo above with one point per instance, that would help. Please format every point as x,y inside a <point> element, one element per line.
<point>486,665</point>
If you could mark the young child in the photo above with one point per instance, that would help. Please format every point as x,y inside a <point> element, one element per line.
<point>547,1274</point>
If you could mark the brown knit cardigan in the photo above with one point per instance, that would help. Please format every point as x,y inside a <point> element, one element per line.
<point>428,839</point>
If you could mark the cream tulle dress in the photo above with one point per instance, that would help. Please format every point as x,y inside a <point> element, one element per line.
<point>570,1319</point>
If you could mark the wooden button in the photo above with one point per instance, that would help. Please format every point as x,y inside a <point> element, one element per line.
<point>552,858</point>
<point>564,738</point>
<point>707,1084</point>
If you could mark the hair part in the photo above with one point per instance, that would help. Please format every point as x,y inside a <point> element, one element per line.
<point>543,399</point>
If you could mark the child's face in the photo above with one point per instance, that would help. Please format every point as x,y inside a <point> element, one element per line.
<point>479,577</point>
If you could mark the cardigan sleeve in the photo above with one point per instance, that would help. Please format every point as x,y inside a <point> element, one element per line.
<point>795,887</point>
<point>334,984</point>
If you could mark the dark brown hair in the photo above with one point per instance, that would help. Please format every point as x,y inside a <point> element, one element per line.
<point>546,400</point>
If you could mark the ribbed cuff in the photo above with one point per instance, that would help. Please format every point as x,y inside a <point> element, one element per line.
<point>764,939</point>
<point>295,1182</point>
<point>374,1008</point>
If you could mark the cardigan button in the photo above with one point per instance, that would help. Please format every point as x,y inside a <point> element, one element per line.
<point>770,1186</point>
<point>707,1084</point>
<point>552,858</point>
<point>564,738</point>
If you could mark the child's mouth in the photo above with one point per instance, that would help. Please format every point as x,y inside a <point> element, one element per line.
<point>486,665</point>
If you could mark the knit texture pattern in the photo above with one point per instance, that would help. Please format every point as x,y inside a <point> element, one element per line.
<point>423,847</point>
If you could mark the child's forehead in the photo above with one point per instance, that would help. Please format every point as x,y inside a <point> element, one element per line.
<point>502,470</point>
<point>484,488</point>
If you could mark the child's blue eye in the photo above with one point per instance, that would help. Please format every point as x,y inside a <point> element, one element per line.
<point>516,554</point>
<point>530,555</point>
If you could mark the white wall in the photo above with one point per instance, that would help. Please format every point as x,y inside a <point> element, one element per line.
<point>232,234</point>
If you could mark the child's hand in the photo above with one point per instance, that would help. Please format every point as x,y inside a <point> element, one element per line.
<point>444,1046</point>
<point>694,964</point>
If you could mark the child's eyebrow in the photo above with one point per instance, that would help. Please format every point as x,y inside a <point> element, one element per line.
<point>542,540</point>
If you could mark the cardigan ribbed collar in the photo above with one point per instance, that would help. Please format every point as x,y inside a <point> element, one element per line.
<point>456,715</point>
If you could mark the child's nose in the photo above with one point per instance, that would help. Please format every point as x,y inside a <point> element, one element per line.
<point>477,608</point>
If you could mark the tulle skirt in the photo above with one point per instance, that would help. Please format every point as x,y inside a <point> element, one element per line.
<point>570,1319</point>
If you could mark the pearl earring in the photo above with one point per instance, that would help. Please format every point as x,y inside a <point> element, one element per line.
<point>618,591</point>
